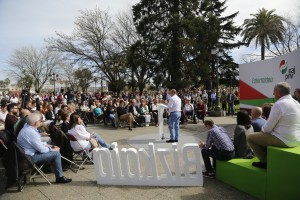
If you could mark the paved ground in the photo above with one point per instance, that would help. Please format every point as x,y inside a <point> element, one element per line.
<point>84,182</point>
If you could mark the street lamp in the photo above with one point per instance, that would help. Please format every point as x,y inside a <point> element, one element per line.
<point>217,52</point>
<point>95,80</point>
<point>54,77</point>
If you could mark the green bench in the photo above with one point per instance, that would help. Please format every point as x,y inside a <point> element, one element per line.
<point>240,174</point>
<point>281,180</point>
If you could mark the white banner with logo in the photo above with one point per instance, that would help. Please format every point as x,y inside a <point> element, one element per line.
<point>258,79</point>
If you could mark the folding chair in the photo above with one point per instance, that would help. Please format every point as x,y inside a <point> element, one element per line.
<point>85,153</point>
<point>32,164</point>
<point>64,147</point>
<point>3,144</point>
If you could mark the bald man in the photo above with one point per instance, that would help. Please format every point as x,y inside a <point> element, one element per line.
<point>257,120</point>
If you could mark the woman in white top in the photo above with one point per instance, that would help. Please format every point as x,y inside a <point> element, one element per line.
<point>144,110</point>
<point>82,135</point>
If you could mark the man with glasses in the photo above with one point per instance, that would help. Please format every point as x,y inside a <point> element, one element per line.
<point>29,140</point>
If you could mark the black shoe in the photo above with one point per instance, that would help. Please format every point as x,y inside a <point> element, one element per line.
<point>130,128</point>
<point>110,148</point>
<point>170,141</point>
<point>209,174</point>
<point>63,180</point>
<point>175,140</point>
<point>260,165</point>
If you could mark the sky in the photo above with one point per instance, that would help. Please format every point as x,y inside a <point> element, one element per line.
<point>29,22</point>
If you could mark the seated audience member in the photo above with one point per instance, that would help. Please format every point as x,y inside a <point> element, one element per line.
<point>110,112</point>
<point>72,108</point>
<point>58,121</point>
<point>11,117</point>
<point>28,106</point>
<point>65,117</point>
<point>83,137</point>
<point>123,115</point>
<point>21,121</point>
<point>134,110</point>
<point>93,105</point>
<point>58,107</point>
<point>282,128</point>
<point>188,109</point>
<point>153,109</point>
<point>84,107</point>
<point>64,107</point>
<point>218,146</point>
<point>98,110</point>
<point>266,109</point>
<point>144,111</point>
<point>3,113</point>
<point>257,120</point>
<point>29,140</point>
<point>297,95</point>
<point>241,131</point>
<point>201,110</point>
<point>33,106</point>
<point>49,115</point>
<point>44,107</point>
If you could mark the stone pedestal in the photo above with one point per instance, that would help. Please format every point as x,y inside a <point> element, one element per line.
<point>217,113</point>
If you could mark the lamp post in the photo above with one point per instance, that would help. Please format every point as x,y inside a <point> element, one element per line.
<point>95,80</point>
<point>54,78</point>
<point>218,54</point>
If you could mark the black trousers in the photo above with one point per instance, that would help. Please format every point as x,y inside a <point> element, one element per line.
<point>215,154</point>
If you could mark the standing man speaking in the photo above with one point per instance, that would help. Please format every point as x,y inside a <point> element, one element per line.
<point>174,106</point>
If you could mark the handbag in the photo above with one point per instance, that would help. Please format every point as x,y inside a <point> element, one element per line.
<point>94,142</point>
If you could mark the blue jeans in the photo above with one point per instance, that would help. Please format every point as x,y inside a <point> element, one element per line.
<point>101,141</point>
<point>174,125</point>
<point>112,119</point>
<point>231,108</point>
<point>54,157</point>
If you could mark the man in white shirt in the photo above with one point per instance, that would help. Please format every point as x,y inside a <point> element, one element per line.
<point>174,106</point>
<point>282,128</point>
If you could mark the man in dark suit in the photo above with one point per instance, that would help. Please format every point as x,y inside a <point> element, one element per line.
<point>49,115</point>
<point>134,110</point>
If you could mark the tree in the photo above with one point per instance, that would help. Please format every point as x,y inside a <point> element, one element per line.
<point>180,35</point>
<point>290,40</point>
<point>265,28</point>
<point>91,44</point>
<point>68,72</point>
<point>84,77</point>
<point>4,83</point>
<point>160,25</point>
<point>35,63</point>
<point>25,82</point>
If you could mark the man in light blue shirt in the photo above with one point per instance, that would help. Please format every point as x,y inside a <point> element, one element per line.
<point>29,140</point>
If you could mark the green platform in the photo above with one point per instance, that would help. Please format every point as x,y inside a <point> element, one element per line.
<point>240,174</point>
<point>283,178</point>
<point>280,181</point>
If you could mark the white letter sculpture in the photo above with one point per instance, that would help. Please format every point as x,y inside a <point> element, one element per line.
<point>124,168</point>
